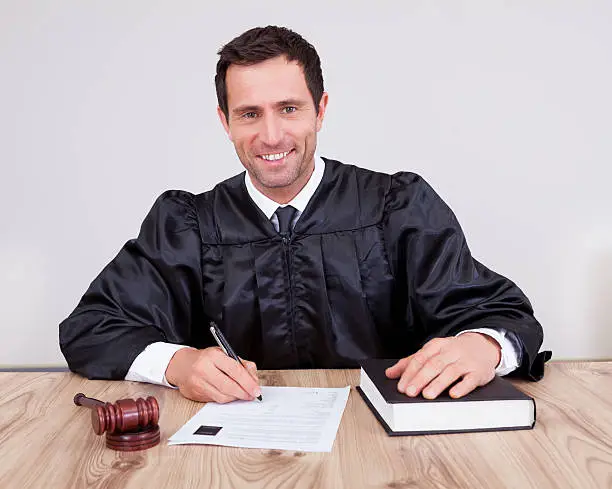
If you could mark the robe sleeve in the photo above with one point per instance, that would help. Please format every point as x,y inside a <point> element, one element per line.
<point>447,290</point>
<point>151,291</point>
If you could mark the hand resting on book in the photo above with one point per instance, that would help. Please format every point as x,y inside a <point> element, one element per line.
<point>471,357</point>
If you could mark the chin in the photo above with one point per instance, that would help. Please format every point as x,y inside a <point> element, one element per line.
<point>276,183</point>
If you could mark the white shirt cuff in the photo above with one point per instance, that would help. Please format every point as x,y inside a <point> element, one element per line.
<point>509,360</point>
<point>151,364</point>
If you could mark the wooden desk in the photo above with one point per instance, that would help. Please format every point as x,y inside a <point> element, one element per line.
<point>46,441</point>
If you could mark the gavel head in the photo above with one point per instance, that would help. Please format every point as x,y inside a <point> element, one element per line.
<point>125,416</point>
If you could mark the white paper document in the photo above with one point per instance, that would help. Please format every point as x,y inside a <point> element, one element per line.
<point>288,418</point>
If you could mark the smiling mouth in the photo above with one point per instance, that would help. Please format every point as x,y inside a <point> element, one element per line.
<point>275,157</point>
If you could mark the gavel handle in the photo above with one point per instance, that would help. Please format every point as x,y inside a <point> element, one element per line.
<point>82,400</point>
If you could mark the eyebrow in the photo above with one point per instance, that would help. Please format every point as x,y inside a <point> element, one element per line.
<point>241,109</point>
<point>291,101</point>
<point>245,108</point>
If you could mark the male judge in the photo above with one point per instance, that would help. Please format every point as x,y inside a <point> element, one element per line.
<point>301,261</point>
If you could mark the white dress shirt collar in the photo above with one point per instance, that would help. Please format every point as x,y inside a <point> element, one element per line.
<point>300,201</point>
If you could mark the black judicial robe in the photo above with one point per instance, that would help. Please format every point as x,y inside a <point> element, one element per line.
<point>377,264</point>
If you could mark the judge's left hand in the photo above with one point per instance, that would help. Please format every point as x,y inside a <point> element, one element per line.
<point>470,356</point>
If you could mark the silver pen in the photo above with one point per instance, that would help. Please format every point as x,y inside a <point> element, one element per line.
<point>225,346</point>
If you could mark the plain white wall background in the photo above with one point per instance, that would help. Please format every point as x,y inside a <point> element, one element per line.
<point>504,107</point>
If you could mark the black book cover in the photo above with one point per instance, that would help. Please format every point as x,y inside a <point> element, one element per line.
<point>499,389</point>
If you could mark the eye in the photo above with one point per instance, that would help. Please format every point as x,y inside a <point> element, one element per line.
<point>249,115</point>
<point>289,110</point>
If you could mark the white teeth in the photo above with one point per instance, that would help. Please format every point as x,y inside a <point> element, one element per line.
<point>275,157</point>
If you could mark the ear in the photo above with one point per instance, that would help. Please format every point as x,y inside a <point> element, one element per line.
<point>224,121</point>
<point>322,109</point>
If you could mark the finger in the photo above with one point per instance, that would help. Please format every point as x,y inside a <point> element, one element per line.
<point>204,391</point>
<point>251,368</point>
<point>226,385</point>
<point>467,385</point>
<point>215,395</point>
<point>415,364</point>
<point>394,371</point>
<point>428,372</point>
<point>449,375</point>
<point>430,349</point>
<point>238,374</point>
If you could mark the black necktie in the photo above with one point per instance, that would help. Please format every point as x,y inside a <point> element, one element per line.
<point>285,218</point>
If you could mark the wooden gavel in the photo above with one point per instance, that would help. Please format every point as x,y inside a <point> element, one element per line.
<point>129,424</point>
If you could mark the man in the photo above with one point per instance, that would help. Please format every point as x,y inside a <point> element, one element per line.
<point>302,262</point>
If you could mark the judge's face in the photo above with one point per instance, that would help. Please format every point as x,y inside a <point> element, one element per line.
<point>273,125</point>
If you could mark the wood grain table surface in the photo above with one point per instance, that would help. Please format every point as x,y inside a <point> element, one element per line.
<point>46,441</point>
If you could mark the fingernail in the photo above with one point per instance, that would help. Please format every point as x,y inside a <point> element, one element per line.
<point>401,386</point>
<point>411,391</point>
<point>257,393</point>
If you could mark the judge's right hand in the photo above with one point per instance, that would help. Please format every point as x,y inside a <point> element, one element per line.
<point>210,375</point>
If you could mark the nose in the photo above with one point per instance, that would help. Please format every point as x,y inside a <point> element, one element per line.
<point>271,132</point>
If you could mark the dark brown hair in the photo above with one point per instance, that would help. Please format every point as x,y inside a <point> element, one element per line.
<point>263,43</point>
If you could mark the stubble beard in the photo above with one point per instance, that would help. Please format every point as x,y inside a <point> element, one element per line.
<point>285,177</point>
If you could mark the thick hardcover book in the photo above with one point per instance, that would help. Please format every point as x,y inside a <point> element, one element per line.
<point>493,407</point>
